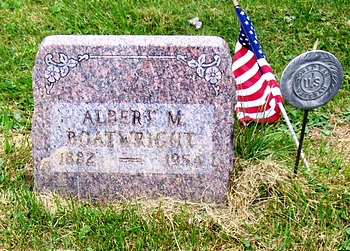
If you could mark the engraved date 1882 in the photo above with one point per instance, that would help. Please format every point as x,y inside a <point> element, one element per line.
<point>78,158</point>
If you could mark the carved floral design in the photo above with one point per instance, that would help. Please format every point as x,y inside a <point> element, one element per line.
<point>213,75</point>
<point>57,70</point>
<point>209,71</point>
<point>52,73</point>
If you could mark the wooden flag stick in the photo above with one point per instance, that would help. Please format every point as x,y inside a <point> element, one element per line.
<point>315,45</point>
<point>294,136</point>
<point>235,3</point>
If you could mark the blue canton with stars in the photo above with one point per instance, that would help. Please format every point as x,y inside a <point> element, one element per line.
<point>247,35</point>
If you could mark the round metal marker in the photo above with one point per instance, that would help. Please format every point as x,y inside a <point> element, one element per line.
<point>311,79</point>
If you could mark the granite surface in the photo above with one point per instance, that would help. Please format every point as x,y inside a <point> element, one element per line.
<point>119,117</point>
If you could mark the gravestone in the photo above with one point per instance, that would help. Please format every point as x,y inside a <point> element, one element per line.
<point>133,116</point>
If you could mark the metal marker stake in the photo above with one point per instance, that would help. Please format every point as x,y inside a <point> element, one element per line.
<point>302,133</point>
<point>309,81</point>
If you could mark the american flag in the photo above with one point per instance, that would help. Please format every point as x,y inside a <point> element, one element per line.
<point>258,93</point>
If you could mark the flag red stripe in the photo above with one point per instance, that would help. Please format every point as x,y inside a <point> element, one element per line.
<point>244,68</point>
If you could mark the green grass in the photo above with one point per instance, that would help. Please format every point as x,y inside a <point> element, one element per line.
<point>280,212</point>
<point>78,226</point>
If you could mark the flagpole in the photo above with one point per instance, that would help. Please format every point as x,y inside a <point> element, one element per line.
<point>235,3</point>
<point>294,136</point>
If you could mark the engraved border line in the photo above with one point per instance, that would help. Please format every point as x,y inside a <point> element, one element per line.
<point>130,57</point>
<point>130,159</point>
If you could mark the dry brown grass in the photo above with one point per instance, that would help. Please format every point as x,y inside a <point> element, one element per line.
<point>339,139</point>
<point>251,190</point>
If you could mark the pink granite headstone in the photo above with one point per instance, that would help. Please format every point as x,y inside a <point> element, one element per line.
<point>133,116</point>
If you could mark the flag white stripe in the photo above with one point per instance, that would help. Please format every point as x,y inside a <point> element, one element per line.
<point>276,91</point>
<point>262,62</point>
<point>242,60</point>
<point>252,89</point>
<point>248,74</point>
<point>260,101</point>
<point>238,47</point>
<point>256,87</point>
<point>260,115</point>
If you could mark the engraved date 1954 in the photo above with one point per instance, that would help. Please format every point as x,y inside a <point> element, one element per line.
<point>78,158</point>
<point>174,159</point>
